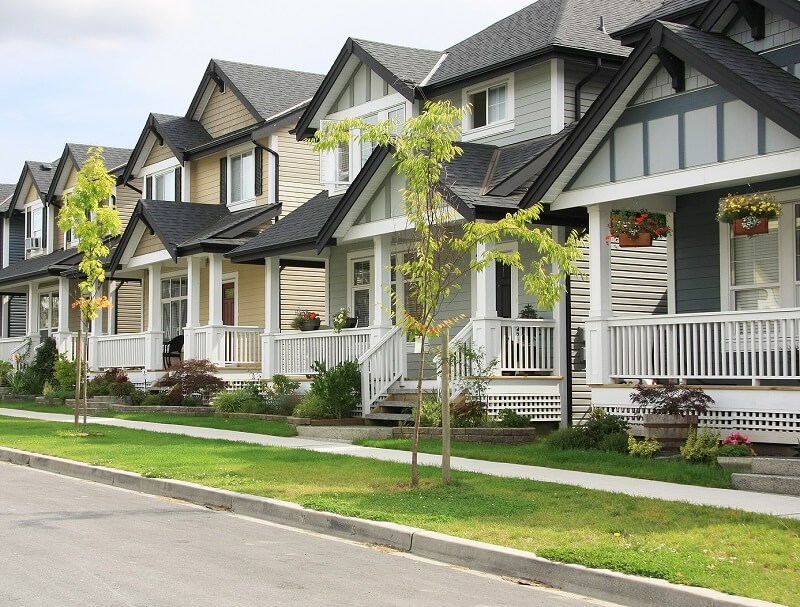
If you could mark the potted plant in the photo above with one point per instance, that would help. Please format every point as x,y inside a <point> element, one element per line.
<point>669,411</point>
<point>637,228</point>
<point>306,321</point>
<point>343,320</point>
<point>528,312</point>
<point>736,453</point>
<point>749,213</point>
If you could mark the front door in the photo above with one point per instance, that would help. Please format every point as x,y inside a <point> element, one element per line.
<point>503,273</point>
<point>229,318</point>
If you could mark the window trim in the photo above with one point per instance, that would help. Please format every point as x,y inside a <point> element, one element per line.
<point>28,209</point>
<point>53,326</point>
<point>244,203</point>
<point>501,126</point>
<point>171,172</point>
<point>352,258</point>
<point>162,299</point>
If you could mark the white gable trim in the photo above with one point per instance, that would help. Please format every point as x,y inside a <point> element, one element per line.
<point>201,107</point>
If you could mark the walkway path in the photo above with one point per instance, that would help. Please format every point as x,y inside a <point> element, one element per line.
<point>749,501</point>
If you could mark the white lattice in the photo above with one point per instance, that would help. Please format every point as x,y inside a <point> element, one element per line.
<point>539,408</point>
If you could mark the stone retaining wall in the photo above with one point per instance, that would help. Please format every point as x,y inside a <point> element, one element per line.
<point>506,436</point>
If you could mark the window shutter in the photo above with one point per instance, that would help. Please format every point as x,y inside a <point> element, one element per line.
<point>223,181</point>
<point>148,190</point>
<point>259,159</point>
<point>44,227</point>
<point>178,184</point>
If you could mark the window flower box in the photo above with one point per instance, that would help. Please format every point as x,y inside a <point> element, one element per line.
<point>749,213</point>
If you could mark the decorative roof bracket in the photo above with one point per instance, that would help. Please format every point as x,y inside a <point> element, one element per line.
<point>675,67</point>
<point>754,14</point>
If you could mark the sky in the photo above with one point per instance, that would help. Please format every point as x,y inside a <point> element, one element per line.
<point>90,71</point>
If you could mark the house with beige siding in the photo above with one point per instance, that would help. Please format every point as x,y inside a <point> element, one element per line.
<point>527,78</point>
<point>212,179</point>
<point>707,105</point>
<point>39,278</point>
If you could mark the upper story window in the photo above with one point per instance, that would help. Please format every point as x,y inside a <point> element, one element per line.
<point>34,229</point>
<point>339,167</point>
<point>492,109</point>
<point>242,180</point>
<point>164,185</point>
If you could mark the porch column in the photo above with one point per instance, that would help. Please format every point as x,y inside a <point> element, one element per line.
<point>215,347</point>
<point>193,309</point>
<point>6,314</point>
<point>33,311</point>
<point>486,324</point>
<point>155,331</point>
<point>272,315</point>
<point>381,311</point>
<point>95,331</point>
<point>64,336</point>
<point>561,341</point>
<point>598,351</point>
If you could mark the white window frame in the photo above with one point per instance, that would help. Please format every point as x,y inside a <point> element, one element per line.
<point>168,180</point>
<point>159,168</point>
<point>52,324</point>
<point>163,300</point>
<point>29,209</point>
<point>249,201</point>
<point>787,283</point>
<point>329,160</point>
<point>353,258</point>
<point>500,126</point>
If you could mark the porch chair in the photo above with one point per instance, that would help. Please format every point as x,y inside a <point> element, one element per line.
<point>172,349</point>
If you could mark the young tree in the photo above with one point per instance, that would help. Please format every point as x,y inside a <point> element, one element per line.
<point>88,213</point>
<point>444,248</point>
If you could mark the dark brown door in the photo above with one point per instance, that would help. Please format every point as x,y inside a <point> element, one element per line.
<point>228,303</point>
<point>503,290</point>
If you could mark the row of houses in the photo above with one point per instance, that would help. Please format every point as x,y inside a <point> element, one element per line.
<point>233,224</point>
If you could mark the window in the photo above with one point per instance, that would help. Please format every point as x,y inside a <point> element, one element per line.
<point>164,185</point>
<point>361,291</point>
<point>755,275</point>
<point>174,302</point>
<point>242,176</point>
<point>489,106</point>
<point>48,314</point>
<point>34,228</point>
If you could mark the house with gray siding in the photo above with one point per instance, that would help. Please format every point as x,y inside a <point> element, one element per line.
<point>527,79</point>
<point>706,105</point>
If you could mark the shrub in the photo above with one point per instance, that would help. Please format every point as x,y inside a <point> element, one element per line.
<point>154,400</point>
<point>279,396</point>
<point>45,356</point>
<point>137,398</point>
<point>64,372</point>
<point>5,368</point>
<point>122,388</point>
<point>337,388</point>
<point>643,448</point>
<point>508,418</point>
<point>566,439</point>
<point>468,414</point>
<point>671,399</point>
<point>236,401</point>
<point>731,450</point>
<point>189,377</point>
<point>25,381</point>
<point>602,424</point>
<point>103,384</point>
<point>311,406</point>
<point>614,443</point>
<point>431,413</point>
<point>192,401</point>
<point>701,446</point>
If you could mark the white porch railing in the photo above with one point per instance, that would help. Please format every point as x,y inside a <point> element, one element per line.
<point>527,345</point>
<point>9,346</point>
<point>296,352</point>
<point>242,345</point>
<point>459,366</point>
<point>729,345</point>
<point>128,350</point>
<point>382,365</point>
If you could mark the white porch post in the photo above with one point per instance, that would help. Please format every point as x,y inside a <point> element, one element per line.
<point>6,313</point>
<point>272,315</point>
<point>193,310</point>
<point>561,342</point>
<point>33,311</point>
<point>215,346</point>
<point>64,336</point>
<point>598,351</point>
<point>486,324</point>
<point>381,311</point>
<point>95,331</point>
<point>155,332</point>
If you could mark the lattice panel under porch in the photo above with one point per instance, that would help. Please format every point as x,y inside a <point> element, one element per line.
<point>539,408</point>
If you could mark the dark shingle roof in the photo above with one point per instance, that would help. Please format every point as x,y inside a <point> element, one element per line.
<point>42,173</point>
<point>301,226</point>
<point>570,24</point>
<point>512,158</point>
<point>113,157</point>
<point>668,9</point>
<point>176,222</point>
<point>228,225</point>
<point>37,266</point>
<point>408,64</point>
<point>182,132</point>
<point>6,191</point>
<point>466,174</point>
<point>270,90</point>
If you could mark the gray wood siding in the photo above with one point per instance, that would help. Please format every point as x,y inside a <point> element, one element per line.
<point>697,280</point>
<point>16,242</point>
<point>364,85</point>
<point>573,74</point>
<point>531,106</point>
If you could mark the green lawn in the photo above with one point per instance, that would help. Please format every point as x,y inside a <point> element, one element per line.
<point>731,551</point>
<point>539,454</point>
<point>256,426</point>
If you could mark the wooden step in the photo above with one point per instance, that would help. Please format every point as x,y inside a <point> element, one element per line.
<point>393,404</point>
<point>395,417</point>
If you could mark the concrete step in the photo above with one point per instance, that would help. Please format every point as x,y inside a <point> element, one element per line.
<point>393,404</point>
<point>386,417</point>
<point>776,465</point>
<point>767,483</point>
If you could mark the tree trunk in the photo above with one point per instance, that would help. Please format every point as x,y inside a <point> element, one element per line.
<point>445,407</point>
<point>417,417</point>
<point>78,358</point>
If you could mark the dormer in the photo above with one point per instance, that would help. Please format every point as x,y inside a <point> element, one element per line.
<point>29,200</point>
<point>368,80</point>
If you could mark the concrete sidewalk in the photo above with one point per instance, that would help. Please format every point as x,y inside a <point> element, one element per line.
<point>762,503</point>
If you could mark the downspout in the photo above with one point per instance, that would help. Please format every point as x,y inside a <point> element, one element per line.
<point>277,169</point>
<point>585,80</point>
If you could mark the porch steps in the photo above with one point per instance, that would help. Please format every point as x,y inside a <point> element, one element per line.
<point>396,408</point>
<point>770,475</point>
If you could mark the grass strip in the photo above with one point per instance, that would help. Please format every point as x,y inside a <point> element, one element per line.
<point>539,453</point>
<point>727,550</point>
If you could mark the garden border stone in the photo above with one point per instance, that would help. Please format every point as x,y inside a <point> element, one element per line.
<point>506,436</point>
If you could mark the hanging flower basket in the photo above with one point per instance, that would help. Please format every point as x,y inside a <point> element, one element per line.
<point>637,228</point>
<point>749,213</point>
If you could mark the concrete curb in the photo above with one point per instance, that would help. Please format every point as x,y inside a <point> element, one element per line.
<point>597,583</point>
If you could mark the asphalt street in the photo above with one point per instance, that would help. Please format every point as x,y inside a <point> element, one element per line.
<point>71,542</point>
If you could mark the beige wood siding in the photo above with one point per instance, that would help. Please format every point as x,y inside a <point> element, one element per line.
<point>158,153</point>
<point>299,172</point>
<point>205,179</point>
<point>302,289</point>
<point>150,243</point>
<point>129,307</point>
<point>72,180</point>
<point>224,114</point>
<point>250,292</point>
<point>33,196</point>
<point>127,198</point>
